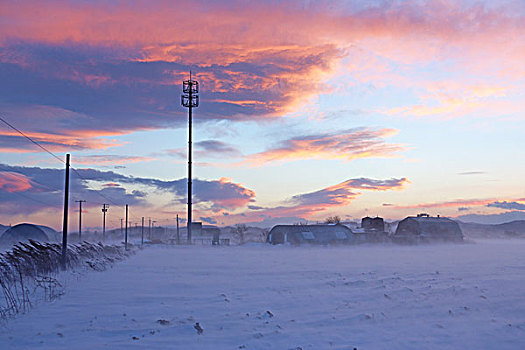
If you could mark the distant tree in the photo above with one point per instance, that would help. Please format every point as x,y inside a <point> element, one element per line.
<point>240,230</point>
<point>333,220</point>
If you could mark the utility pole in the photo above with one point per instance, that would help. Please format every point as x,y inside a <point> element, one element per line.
<point>80,219</point>
<point>190,99</point>
<point>64,224</point>
<point>142,239</point>
<point>126,237</point>
<point>153,226</point>
<point>104,210</point>
<point>149,229</point>
<point>178,236</point>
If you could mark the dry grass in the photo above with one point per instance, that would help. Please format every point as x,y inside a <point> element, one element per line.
<point>28,271</point>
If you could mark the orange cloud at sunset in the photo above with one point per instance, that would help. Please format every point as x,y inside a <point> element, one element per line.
<point>279,54</point>
<point>314,205</point>
<point>241,198</point>
<point>14,182</point>
<point>55,142</point>
<point>347,144</point>
<point>167,23</point>
<point>306,206</point>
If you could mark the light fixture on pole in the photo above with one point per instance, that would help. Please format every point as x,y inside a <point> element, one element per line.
<point>190,99</point>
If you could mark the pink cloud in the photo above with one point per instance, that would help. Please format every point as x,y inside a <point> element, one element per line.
<point>256,60</point>
<point>55,128</point>
<point>14,182</point>
<point>303,41</point>
<point>314,205</point>
<point>347,145</point>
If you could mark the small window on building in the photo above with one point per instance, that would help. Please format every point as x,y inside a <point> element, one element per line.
<point>308,235</point>
<point>340,235</point>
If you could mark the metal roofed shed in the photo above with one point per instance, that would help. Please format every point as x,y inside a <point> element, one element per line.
<point>310,234</point>
<point>22,233</point>
<point>424,227</point>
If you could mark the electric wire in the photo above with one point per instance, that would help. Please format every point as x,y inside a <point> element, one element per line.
<point>56,157</point>
<point>59,159</point>
<point>97,192</point>
<point>32,199</point>
<point>30,139</point>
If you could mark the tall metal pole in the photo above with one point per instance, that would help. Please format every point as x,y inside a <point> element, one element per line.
<point>126,237</point>
<point>104,210</point>
<point>142,239</point>
<point>80,219</point>
<point>64,224</point>
<point>190,99</point>
<point>149,229</point>
<point>190,132</point>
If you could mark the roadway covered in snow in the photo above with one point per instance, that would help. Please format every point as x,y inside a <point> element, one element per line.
<point>467,296</point>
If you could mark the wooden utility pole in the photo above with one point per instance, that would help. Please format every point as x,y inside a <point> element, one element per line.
<point>142,231</point>
<point>80,219</point>
<point>64,223</point>
<point>126,237</point>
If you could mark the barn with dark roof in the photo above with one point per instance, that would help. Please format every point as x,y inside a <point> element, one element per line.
<point>425,227</point>
<point>310,234</point>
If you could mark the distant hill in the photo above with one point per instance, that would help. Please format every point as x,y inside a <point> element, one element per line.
<point>3,228</point>
<point>508,229</point>
<point>493,219</point>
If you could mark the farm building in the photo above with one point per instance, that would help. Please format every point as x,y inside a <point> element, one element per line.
<point>196,228</point>
<point>372,230</point>
<point>425,227</point>
<point>376,224</point>
<point>310,234</point>
<point>23,232</point>
<point>53,235</point>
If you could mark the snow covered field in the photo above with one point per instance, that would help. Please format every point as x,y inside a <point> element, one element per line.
<point>469,296</point>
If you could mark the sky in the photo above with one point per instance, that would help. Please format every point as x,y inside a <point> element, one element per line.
<point>308,109</point>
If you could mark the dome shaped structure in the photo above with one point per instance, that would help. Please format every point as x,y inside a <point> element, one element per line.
<point>51,234</point>
<point>21,233</point>
<point>424,227</point>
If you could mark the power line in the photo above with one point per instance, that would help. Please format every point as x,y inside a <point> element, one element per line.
<point>53,189</point>
<point>33,199</point>
<point>55,156</point>
<point>30,139</point>
<point>99,193</point>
